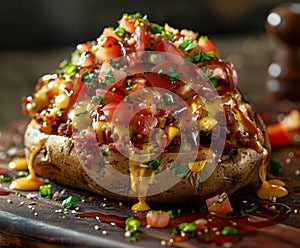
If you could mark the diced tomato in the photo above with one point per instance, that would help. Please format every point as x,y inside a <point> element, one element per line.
<point>109,96</point>
<point>142,38</point>
<point>2,172</point>
<point>84,47</point>
<point>278,135</point>
<point>158,219</point>
<point>123,115</point>
<point>165,45</point>
<point>127,24</point>
<point>86,59</point>
<point>224,71</point>
<point>144,123</point>
<point>110,32</point>
<point>206,45</point>
<point>219,204</point>
<point>109,49</point>
<point>158,81</point>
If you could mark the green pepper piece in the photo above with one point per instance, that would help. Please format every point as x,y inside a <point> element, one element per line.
<point>229,230</point>
<point>45,190</point>
<point>132,224</point>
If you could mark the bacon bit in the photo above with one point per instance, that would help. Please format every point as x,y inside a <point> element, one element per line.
<point>219,204</point>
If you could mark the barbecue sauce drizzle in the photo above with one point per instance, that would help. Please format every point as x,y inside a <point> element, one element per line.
<point>244,223</point>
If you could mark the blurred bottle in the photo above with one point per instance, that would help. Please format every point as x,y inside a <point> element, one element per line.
<point>283,23</point>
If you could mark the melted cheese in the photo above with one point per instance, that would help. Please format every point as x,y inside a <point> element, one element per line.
<point>31,182</point>
<point>270,189</point>
<point>19,164</point>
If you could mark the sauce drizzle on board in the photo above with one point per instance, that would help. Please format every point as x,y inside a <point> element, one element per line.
<point>212,232</point>
<point>31,182</point>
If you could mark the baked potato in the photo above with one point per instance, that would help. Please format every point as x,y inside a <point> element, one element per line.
<point>118,120</point>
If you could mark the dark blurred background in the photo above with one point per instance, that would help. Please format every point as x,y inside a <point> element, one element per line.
<point>36,35</point>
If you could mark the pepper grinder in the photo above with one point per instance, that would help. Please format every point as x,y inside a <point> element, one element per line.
<point>283,23</point>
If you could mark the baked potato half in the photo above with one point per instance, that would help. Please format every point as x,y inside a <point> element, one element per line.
<point>197,150</point>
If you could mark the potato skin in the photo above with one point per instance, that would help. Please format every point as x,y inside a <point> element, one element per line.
<point>58,162</point>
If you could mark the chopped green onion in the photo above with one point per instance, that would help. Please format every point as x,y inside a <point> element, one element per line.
<point>171,214</point>
<point>20,174</point>
<point>5,178</point>
<point>154,164</point>
<point>296,188</point>
<point>109,208</point>
<point>187,227</point>
<point>229,230</point>
<point>70,202</point>
<point>168,99</point>
<point>109,77</point>
<point>45,190</point>
<point>132,224</point>
<point>275,167</point>
<point>179,171</point>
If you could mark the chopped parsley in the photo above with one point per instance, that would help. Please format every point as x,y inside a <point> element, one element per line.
<point>109,77</point>
<point>88,78</point>
<point>179,171</point>
<point>154,164</point>
<point>168,99</point>
<point>187,44</point>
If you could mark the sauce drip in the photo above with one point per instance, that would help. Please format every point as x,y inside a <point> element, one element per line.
<point>31,182</point>
<point>270,188</point>
<point>18,164</point>
<point>140,179</point>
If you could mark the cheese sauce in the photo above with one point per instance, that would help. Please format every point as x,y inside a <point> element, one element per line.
<point>270,189</point>
<point>19,164</point>
<point>31,182</point>
<point>140,179</point>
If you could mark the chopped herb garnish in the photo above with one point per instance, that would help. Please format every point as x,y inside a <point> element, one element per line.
<point>154,164</point>
<point>121,32</point>
<point>187,43</point>
<point>252,209</point>
<point>5,178</point>
<point>88,78</point>
<point>20,174</point>
<point>61,148</point>
<point>109,208</point>
<point>161,73</point>
<point>168,99</point>
<point>179,171</point>
<point>70,202</point>
<point>203,208</point>
<point>109,77</point>
<point>229,230</point>
<point>275,167</point>
<point>207,73</point>
<point>156,29</point>
<point>171,214</point>
<point>81,113</point>
<point>187,227</point>
<point>296,188</point>
<point>173,74</point>
<point>132,132</point>
<point>68,69</point>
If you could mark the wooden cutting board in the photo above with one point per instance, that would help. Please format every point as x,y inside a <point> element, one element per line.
<point>28,220</point>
